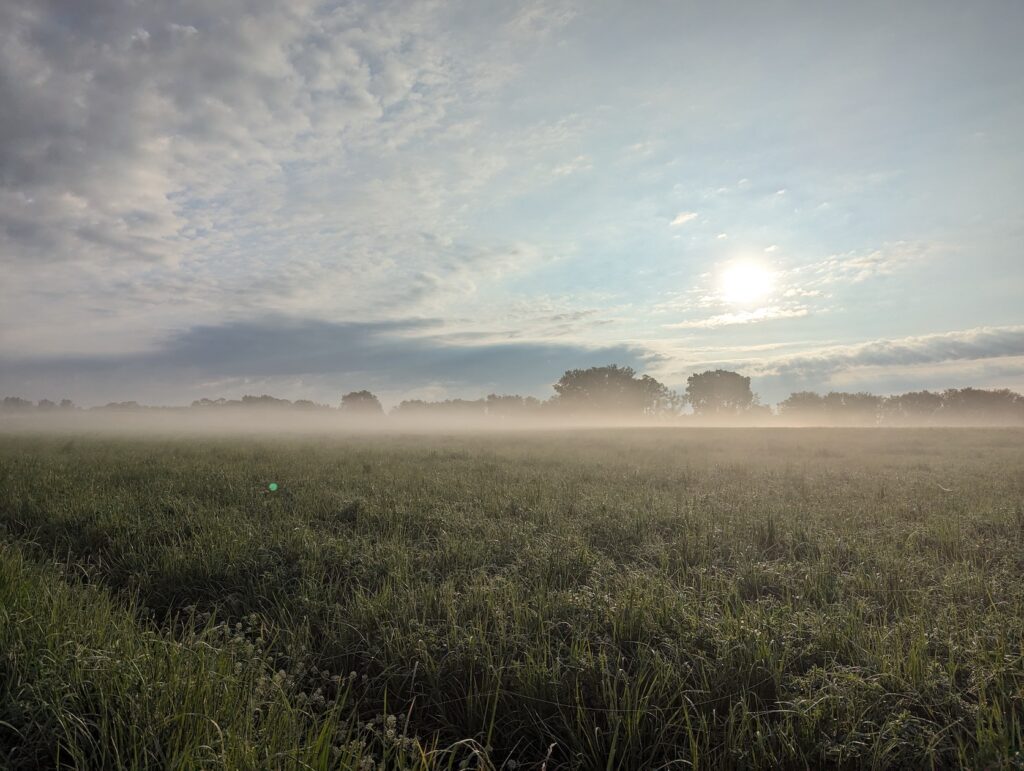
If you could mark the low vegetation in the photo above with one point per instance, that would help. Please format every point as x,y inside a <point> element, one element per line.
<point>744,598</point>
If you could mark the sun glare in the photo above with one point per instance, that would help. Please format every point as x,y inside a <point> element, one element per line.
<point>746,282</point>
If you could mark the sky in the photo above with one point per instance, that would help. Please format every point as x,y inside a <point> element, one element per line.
<point>448,199</point>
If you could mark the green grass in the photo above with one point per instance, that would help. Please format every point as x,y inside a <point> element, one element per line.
<point>598,599</point>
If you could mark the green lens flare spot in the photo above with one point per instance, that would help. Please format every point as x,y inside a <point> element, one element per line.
<point>272,487</point>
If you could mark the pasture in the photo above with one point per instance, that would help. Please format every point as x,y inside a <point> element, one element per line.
<point>635,598</point>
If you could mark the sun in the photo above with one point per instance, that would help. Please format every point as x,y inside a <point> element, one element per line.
<point>745,281</point>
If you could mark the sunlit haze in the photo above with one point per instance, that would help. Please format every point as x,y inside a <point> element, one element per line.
<point>744,282</point>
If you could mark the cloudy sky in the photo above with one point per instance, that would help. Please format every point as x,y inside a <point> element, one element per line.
<point>437,199</point>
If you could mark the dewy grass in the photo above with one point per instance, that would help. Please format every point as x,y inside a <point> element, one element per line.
<point>597,599</point>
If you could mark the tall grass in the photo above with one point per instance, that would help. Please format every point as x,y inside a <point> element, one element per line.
<point>615,599</point>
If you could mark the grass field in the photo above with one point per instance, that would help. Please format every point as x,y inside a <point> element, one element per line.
<point>748,598</point>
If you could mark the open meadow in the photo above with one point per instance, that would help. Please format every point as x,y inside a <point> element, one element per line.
<point>635,598</point>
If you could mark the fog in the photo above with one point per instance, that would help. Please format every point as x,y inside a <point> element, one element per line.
<point>187,421</point>
<point>598,397</point>
<point>159,421</point>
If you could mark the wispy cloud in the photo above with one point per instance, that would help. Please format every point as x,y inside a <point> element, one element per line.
<point>577,164</point>
<point>859,266</point>
<point>741,317</point>
<point>682,218</point>
<point>968,344</point>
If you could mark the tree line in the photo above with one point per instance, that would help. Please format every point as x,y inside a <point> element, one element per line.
<point>618,392</point>
<point>953,405</point>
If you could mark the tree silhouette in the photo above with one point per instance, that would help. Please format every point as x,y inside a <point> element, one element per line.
<point>613,390</point>
<point>967,405</point>
<point>719,392</point>
<point>510,405</point>
<point>803,404</point>
<point>361,403</point>
<point>857,408</point>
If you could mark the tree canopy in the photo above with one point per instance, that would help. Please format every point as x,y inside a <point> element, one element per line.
<point>361,403</point>
<point>719,392</point>
<point>613,390</point>
<point>835,407</point>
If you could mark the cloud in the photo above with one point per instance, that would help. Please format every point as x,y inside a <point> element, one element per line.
<point>997,372</point>
<point>741,317</point>
<point>309,156</point>
<point>396,356</point>
<point>963,345</point>
<point>682,218</point>
<point>573,166</point>
<point>984,357</point>
<point>854,267</point>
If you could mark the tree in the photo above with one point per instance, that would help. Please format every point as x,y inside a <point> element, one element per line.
<point>613,390</point>
<point>835,407</point>
<point>506,406</point>
<point>978,406</point>
<point>264,401</point>
<point>803,404</point>
<point>15,404</point>
<point>913,407</point>
<point>306,404</point>
<point>853,408</point>
<point>361,403</point>
<point>719,392</point>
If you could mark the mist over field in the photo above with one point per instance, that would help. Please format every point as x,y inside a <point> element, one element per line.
<point>596,397</point>
<point>266,421</point>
